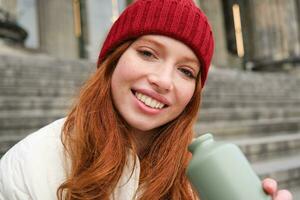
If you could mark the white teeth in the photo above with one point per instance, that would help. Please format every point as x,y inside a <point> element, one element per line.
<point>160,105</point>
<point>156,105</point>
<point>153,103</point>
<point>149,101</point>
<point>142,98</point>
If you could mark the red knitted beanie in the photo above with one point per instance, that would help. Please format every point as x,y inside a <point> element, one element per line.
<point>179,19</point>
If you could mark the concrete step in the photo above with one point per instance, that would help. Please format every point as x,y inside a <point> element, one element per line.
<point>251,79</point>
<point>252,95</point>
<point>285,170</point>
<point>35,73</point>
<point>240,103</point>
<point>233,76</point>
<point>10,78</point>
<point>39,64</point>
<point>251,82</point>
<point>249,128</point>
<point>228,114</point>
<point>34,120</point>
<point>12,114</point>
<point>42,91</point>
<point>266,147</point>
<point>221,86</point>
<point>41,81</point>
<point>29,103</point>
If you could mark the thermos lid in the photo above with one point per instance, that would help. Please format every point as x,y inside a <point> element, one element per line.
<point>201,140</point>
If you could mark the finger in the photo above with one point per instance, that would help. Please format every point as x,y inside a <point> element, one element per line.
<point>270,186</point>
<point>283,195</point>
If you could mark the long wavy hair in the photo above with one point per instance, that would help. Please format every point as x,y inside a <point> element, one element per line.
<point>96,140</point>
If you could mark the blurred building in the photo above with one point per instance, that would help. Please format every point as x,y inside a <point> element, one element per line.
<point>9,29</point>
<point>259,34</point>
<point>256,34</point>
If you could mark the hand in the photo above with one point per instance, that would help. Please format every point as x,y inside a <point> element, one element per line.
<point>270,186</point>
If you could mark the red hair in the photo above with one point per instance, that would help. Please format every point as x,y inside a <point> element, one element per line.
<point>96,141</point>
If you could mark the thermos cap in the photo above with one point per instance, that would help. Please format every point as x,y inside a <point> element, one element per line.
<point>208,137</point>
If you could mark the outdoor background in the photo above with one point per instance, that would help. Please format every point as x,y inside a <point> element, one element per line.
<point>48,48</point>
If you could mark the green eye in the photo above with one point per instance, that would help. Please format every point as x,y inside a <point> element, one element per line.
<point>187,73</point>
<point>146,53</point>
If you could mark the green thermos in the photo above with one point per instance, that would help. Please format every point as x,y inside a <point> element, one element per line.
<point>220,171</point>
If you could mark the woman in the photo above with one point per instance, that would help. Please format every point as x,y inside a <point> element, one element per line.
<point>127,135</point>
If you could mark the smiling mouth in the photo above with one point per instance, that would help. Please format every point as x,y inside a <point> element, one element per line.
<point>148,101</point>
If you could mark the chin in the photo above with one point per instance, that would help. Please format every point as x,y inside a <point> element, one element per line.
<point>144,127</point>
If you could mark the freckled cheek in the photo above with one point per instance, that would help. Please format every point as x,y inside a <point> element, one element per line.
<point>128,71</point>
<point>185,93</point>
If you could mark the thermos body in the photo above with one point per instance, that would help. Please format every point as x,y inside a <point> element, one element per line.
<point>220,171</point>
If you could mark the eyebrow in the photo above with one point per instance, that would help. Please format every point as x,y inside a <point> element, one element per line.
<point>188,59</point>
<point>158,44</point>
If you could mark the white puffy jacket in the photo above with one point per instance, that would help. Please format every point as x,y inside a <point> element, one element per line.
<point>34,168</point>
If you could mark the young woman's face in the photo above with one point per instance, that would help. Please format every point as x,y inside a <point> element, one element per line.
<point>153,81</point>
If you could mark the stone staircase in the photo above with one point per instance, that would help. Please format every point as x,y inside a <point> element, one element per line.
<point>259,112</point>
<point>34,91</point>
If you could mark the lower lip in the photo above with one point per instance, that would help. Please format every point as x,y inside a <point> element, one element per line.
<point>144,108</point>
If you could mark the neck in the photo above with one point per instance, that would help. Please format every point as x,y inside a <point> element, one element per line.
<point>142,140</point>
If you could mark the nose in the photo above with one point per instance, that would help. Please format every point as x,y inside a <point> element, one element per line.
<point>161,80</point>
